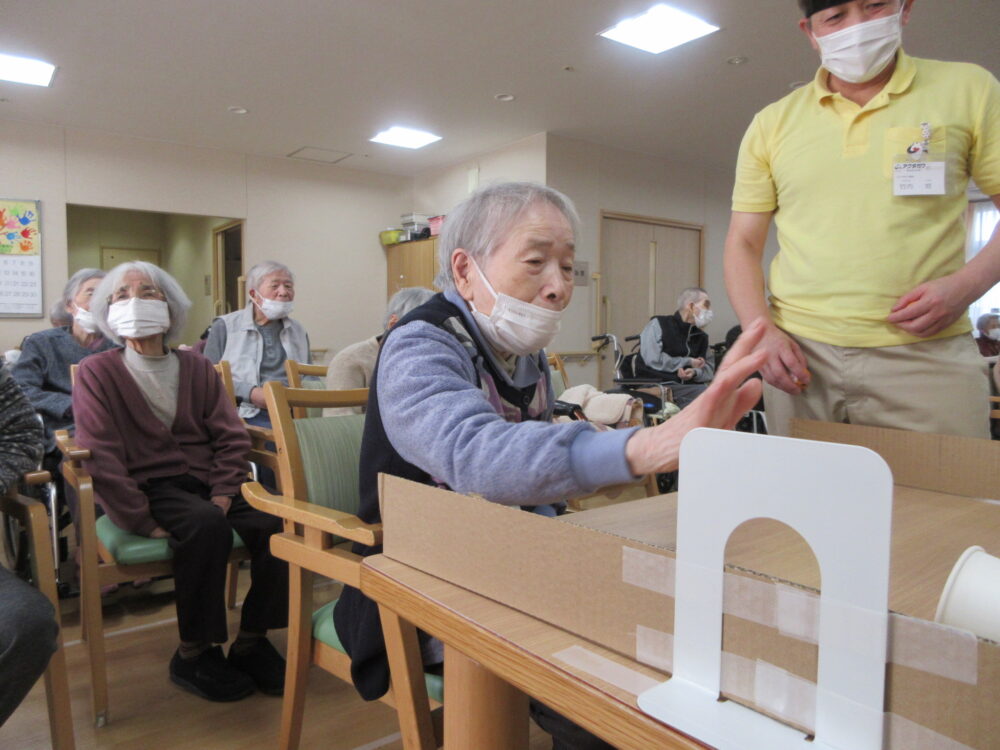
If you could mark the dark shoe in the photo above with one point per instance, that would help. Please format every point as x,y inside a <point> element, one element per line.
<point>210,676</point>
<point>263,664</point>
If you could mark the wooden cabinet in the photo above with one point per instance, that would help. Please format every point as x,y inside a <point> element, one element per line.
<point>411,264</point>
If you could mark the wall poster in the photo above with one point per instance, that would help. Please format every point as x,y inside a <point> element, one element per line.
<point>20,259</point>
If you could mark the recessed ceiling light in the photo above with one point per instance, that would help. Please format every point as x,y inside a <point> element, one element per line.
<point>505,97</point>
<point>658,29</point>
<point>405,137</point>
<point>738,60</point>
<point>238,110</point>
<point>25,70</point>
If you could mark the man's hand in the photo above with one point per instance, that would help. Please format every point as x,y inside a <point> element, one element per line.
<point>723,403</point>
<point>931,307</point>
<point>158,533</point>
<point>222,502</point>
<point>785,366</point>
<point>685,373</point>
<point>257,397</point>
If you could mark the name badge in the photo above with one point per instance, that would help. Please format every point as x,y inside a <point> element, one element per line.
<point>924,177</point>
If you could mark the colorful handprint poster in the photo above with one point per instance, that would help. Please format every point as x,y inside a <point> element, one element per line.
<point>20,258</point>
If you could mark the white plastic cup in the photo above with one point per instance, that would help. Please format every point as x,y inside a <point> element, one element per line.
<point>971,596</point>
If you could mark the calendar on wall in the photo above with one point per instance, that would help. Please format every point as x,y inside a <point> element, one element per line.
<point>20,259</point>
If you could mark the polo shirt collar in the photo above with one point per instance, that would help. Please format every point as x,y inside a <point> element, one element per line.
<point>902,79</point>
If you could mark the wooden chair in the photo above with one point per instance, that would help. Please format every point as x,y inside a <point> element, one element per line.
<point>32,516</point>
<point>260,454</point>
<point>296,372</point>
<point>226,373</point>
<point>560,381</point>
<point>994,407</point>
<point>318,462</point>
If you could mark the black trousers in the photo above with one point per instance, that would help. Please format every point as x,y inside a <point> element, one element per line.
<point>201,538</point>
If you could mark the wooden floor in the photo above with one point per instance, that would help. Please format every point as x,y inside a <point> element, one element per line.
<point>148,712</point>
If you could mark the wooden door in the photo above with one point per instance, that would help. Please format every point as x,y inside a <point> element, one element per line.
<point>645,264</point>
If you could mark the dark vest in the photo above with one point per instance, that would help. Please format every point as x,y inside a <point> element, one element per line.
<point>355,615</point>
<point>682,339</point>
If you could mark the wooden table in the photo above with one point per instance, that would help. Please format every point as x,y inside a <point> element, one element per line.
<point>494,655</point>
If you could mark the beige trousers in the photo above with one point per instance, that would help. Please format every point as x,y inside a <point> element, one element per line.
<point>937,386</point>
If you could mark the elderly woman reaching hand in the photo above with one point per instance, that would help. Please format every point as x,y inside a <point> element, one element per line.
<point>461,396</point>
<point>167,459</point>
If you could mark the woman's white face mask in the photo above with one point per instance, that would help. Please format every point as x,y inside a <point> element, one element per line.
<point>137,318</point>
<point>85,320</point>
<point>860,52</point>
<point>514,326</point>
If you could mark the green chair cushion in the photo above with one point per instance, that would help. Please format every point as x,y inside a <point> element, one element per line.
<point>331,448</point>
<point>132,549</point>
<point>315,384</point>
<point>325,632</point>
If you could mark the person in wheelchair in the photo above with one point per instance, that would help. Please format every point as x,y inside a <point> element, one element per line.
<point>168,456</point>
<point>674,348</point>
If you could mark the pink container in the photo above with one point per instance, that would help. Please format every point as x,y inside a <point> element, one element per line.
<point>435,222</point>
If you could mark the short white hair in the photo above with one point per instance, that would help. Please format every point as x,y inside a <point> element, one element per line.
<point>689,295</point>
<point>405,300</point>
<point>177,301</point>
<point>265,268</point>
<point>985,319</point>
<point>483,220</point>
<point>77,280</point>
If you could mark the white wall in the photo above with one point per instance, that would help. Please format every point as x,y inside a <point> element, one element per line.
<point>323,221</point>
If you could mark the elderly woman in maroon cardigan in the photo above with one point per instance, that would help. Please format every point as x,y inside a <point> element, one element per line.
<point>167,459</point>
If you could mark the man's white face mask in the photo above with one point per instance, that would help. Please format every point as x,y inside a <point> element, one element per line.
<point>860,52</point>
<point>274,309</point>
<point>515,327</point>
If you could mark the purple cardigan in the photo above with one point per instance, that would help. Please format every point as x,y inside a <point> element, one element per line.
<point>129,445</point>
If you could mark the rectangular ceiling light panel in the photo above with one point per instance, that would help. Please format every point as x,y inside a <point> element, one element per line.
<point>405,137</point>
<point>24,70</point>
<point>658,29</point>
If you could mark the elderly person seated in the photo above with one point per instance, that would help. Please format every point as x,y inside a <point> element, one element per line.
<point>674,347</point>
<point>462,397</point>
<point>167,460</point>
<point>259,338</point>
<point>352,366</point>
<point>42,370</point>
<point>989,334</point>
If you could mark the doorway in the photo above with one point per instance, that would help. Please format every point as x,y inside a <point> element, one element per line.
<point>646,263</point>
<point>227,267</point>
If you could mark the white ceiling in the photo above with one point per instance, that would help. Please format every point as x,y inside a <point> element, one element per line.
<point>331,73</point>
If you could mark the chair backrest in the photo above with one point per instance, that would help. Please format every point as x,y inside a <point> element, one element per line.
<point>226,373</point>
<point>994,407</point>
<point>72,374</point>
<point>317,456</point>
<point>295,371</point>
<point>560,382</point>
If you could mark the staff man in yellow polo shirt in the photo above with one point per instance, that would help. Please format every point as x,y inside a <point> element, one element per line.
<point>865,172</point>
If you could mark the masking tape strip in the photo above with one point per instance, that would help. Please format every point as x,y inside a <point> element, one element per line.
<point>797,613</point>
<point>750,599</point>
<point>934,648</point>
<point>654,648</point>
<point>904,734</point>
<point>613,673</point>
<point>648,570</point>
<point>784,694</point>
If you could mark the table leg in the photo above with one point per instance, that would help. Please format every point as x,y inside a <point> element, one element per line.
<point>480,710</point>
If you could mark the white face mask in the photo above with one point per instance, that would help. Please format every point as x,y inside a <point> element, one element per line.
<point>136,318</point>
<point>703,317</point>
<point>993,333</point>
<point>860,52</point>
<point>514,326</point>
<point>85,320</point>
<point>274,309</point>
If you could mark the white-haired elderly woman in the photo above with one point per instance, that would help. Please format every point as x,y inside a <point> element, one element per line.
<point>42,370</point>
<point>352,366</point>
<point>989,334</point>
<point>259,338</point>
<point>461,395</point>
<point>168,456</point>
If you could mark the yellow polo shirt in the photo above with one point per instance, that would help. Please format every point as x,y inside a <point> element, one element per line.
<point>849,248</point>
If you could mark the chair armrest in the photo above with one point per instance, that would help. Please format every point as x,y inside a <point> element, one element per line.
<point>69,448</point>
<point>37,477</point>
<point>260,434</point>
<point>314,516</point>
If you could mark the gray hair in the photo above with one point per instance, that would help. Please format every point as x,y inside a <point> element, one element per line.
<point>482,221</point>
<point>77,280</point>
<point>177,301</point>
<point>59,316</point>
<point>984,320</point>
<point>689,295</point>
<point>405,300</point>
<point>265,268</point>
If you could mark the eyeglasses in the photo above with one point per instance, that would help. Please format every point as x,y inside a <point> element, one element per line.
<point>144,292</point>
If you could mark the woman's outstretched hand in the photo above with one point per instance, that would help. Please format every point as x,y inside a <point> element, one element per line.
<point>730,396</point>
